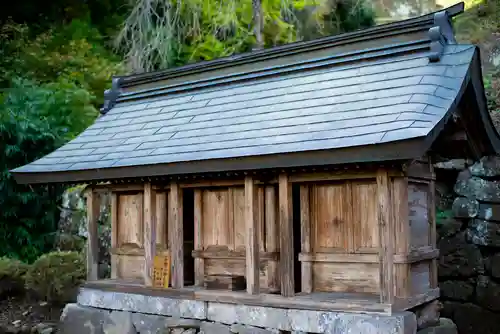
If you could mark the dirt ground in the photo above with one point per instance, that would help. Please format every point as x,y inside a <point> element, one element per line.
<point>19,312</point>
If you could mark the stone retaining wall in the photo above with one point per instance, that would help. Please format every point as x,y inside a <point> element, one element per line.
<point>469,244</point>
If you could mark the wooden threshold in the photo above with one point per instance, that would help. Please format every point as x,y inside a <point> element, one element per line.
<point>316,301</point>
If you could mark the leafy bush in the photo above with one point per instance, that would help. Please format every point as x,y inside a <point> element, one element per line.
<point>12,272</point>
<point>55,276</point>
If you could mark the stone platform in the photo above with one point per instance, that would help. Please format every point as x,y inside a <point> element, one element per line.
<point>111,312</point>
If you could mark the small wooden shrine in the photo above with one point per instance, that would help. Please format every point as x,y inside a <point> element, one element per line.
<point>296,177</point>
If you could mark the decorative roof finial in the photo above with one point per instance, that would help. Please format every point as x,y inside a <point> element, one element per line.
<point>111,95</point>
<point>440,34</point>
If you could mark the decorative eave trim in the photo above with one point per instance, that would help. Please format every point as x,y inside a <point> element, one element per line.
<point>440,35</point>
<point>384,152</point>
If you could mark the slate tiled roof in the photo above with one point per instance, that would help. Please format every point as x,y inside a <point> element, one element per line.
<point>357,98</point>
<point>369,103</point>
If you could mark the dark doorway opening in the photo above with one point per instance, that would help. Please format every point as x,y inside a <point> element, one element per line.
<point>296,236</point>
<point>188,225</point>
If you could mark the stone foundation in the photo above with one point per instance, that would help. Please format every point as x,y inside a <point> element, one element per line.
<point>469,243</point>
<point>105,312</point>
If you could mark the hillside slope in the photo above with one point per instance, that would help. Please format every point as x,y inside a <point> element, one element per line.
<point>480,25</point>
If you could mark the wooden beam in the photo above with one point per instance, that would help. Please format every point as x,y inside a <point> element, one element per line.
<point>417,255</point>
<point>232,254</point>
<point>114,234</point>
<point>401,304</point>
<point>272,232</point>
<point>199,262</point>
<point>328,302</point>
<point>137,251</point>
<point>251,237</point>
<point>286,236</point>
<point>386,250</point>
<point>149,218</point>
<point>93,210</point>
<point>305,237</point>
<point>337,258</point>
<point>128,187</point>
<point>176,236</point>
<point>322,301</point>
<point>336,176</point>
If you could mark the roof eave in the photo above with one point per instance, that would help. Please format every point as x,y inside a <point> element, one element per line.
<point>390,151</point>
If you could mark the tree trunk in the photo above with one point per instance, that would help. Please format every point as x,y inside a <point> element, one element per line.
<point>258,23</point>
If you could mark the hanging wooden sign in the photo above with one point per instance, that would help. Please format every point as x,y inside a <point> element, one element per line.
<point>161,270</point>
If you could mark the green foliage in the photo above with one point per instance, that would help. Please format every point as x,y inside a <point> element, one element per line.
<point>52,85</point>
<point>159,34</point>
<point>72,55</point>
<point>56,276</point>
<point>27,215</point>
<point>480,25</point>
<point>12,274</point>
<point>105,15</point>
<point>442,216</point>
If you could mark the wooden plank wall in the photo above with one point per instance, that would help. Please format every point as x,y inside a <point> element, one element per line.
<point>415,273</point>
<point>372,232</point>
<point>223,221</point>
<point>340,241</point>
<point>129,233</point>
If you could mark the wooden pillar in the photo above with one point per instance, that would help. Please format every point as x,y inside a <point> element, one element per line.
<point>149,218</point>
<point>402,233</point>
<point>385,226</point>
<point>176,236</point>
<point>114,234</point>
<point>272,232</point>
<point>199,262</point>
<point>251,237</point>
<point>286,237</point>
<point>93,210</point>
<point>305,237</point>
<point>431,207</point>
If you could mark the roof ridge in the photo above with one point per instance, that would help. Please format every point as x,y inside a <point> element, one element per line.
<point>436,23</point>
<point>337,59</point>
<point>300,46</point>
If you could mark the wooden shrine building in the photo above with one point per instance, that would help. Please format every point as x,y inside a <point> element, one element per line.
<point>296,177</point>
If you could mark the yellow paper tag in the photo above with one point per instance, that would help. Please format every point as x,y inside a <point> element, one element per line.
<point>161,270</point>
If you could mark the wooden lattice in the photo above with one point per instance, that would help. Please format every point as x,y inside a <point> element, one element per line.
<point>161,270</point>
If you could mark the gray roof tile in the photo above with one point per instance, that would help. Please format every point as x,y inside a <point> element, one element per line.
<point>352,104</point>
